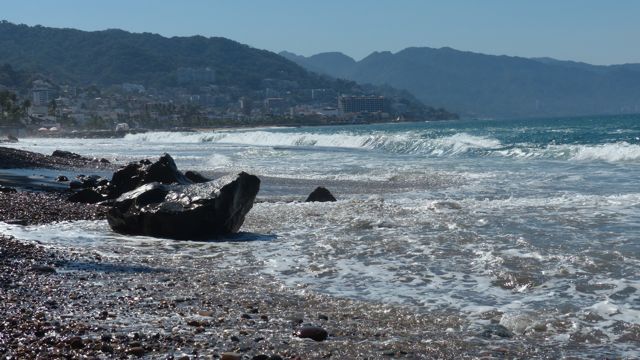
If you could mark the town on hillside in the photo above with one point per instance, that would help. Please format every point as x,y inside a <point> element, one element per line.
<point>47,109</point>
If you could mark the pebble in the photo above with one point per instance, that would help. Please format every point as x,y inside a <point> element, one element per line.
<point>230,356</point>
<point>312,332</point>
<point>498,330</point>
<point>136,351</point>
<point>43,269</point>
<point>76,342</point>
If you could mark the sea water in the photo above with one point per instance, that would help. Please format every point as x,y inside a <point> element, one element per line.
<point>534,224</point>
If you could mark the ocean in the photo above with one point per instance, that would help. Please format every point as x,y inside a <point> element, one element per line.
<point>532,224</point>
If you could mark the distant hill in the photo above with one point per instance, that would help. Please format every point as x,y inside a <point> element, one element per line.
<point>114,57</point>
<point>481,85</point>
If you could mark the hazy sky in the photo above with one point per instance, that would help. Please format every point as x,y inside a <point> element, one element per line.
<point>600,32</point>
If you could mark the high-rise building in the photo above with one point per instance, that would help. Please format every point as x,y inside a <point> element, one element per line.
<point>40,93</point>
<point>360,104</point>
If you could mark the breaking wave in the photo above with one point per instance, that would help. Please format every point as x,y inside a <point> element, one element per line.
<point>403,143</point>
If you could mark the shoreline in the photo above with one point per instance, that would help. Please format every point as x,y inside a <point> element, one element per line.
<point>73,302</point>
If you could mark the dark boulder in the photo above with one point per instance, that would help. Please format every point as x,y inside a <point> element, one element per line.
<point>133,175</point>
<point>196,177</point>
<point>68,155</point>
<point>320,194</point>
<point>62,178</point>
<point>86,196</point>
<point>185,212</point>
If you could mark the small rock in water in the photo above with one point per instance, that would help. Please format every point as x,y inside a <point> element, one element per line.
<point>320,194</point>
<point>5,189</point>
<point>496,329</point>
<point>68,155</point>
<point>62,178</point>
<point>312,332</point>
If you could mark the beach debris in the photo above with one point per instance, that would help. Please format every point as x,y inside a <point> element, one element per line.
<point>320,194</point>
<point>186,212</point>
<point>312,332</point>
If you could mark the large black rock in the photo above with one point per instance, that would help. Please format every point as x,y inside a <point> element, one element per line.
<point>134,175</point>
<point>185,212</point>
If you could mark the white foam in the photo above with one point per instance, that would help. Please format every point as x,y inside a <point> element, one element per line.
<point>407,142</point>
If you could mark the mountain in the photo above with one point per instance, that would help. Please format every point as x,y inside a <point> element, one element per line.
<point>482,85</point>
<point>340,65</point>
<point>116,56</point>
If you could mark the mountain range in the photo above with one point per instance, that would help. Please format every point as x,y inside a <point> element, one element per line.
<point>479,85</point>
<point>113,57</point>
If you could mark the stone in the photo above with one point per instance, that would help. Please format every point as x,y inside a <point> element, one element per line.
<point>196,177</point>
<point>68,155</point>
<point>136,351</point>
<point>7,190</point>
<point>86,196</point>
<point>75,184</point>
<point>62,178</point>
<point>497,330</point>
<point>185,212</point>
<point>312,332</point>
<point>43,269</point>
<point>320,194</point>
<point>230,356</point>
<point>76,342</point>
<point>134,175</point>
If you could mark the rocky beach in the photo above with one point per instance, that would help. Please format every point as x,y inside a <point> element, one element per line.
<point>61,302</point>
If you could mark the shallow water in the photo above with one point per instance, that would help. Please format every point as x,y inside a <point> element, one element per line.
<point>534,224</point>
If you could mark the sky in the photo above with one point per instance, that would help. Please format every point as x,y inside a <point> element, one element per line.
<point>593,31</point>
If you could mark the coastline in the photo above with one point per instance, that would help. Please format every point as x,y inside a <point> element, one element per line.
<point>73,302</point>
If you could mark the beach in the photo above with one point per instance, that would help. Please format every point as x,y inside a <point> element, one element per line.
<point>446,242</point>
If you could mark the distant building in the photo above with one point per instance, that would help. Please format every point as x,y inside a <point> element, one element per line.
<point>40,93</point>
<point>360,104</point>
<point>187,75</point>
<point>275,106</point>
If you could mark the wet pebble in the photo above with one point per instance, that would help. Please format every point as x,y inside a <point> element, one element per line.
<point>497,330</point>
<point>136,351</point>
<point>312,332</point>
<point>231,356</point>
<point>76,342</point>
